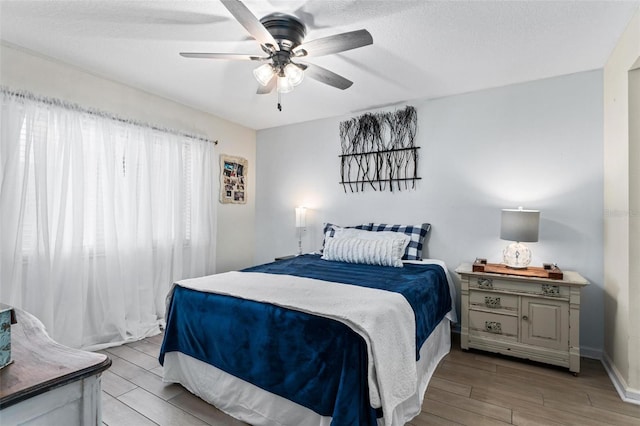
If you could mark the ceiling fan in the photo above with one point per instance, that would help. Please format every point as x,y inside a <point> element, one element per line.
<point>281,38</point>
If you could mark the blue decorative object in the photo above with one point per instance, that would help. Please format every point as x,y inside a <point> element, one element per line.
<point>7,317</point>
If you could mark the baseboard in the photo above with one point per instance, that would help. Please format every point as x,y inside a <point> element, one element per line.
<point>626,394</point>
<point>591,353</point>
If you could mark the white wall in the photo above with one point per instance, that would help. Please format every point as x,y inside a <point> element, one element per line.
<point>22,70</point>
<point>622,211</point>
<point>537,144</point>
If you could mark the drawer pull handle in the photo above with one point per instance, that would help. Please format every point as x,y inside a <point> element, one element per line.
<point>486,283</point>
<point>550,290</point>
<point>526,318</point>
<point>492,302</point>
<point>493,327</point>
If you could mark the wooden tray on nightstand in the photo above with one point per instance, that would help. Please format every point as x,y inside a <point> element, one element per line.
<point>549,271</point>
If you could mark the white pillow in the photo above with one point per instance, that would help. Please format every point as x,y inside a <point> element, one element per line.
<point>370,235</point>
<point>381,251</point>
<point>330,230</point>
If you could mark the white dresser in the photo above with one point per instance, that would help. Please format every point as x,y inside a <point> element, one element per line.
<point>48,383</point>
<point>526,317</point>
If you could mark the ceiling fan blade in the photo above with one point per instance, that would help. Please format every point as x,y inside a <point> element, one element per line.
<point>265,90</point>
<point>249,21</point>
<point>325,76</point>
<point>231,56</point>
<point>335,43</point>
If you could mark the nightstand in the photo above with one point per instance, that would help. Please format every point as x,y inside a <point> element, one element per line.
<point>525,317</point>
<point>290,256</point>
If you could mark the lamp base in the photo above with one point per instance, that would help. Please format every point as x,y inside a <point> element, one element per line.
<point>517,256</point>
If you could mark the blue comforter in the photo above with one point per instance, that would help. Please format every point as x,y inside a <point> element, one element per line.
<point>316,362</point>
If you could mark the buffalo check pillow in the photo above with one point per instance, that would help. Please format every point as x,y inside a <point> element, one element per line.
<point>416,233</point>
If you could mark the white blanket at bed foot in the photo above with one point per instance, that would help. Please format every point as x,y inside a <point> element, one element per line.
<point>255,406</point>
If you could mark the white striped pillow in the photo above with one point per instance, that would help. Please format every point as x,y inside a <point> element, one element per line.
<point>383,252</point>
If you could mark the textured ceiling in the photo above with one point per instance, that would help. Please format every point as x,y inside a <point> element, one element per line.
<point>421,49</point>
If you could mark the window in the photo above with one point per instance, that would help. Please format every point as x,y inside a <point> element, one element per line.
<point>100,216</point>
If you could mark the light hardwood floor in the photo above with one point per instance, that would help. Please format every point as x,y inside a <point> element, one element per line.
<point>468,388</point>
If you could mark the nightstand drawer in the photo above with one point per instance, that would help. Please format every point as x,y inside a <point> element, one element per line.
<point>550,289</point>
<point>485,323</point>
<point>489,300</point>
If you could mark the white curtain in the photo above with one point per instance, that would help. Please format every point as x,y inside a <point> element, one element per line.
<point>98,217</point>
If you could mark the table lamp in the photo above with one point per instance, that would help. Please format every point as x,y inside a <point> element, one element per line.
<point>519,225</point>
<point>301,223</point>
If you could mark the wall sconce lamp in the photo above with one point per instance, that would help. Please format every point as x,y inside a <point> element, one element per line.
<point>301,224</point>
<point>520,226</point>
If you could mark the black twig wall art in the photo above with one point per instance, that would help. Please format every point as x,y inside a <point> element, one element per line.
<point>378,151</point>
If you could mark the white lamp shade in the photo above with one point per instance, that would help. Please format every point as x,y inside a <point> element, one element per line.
<point>294,73</point>
<point>301,217</point>
<point>520,225</point>
<point>264,73</point>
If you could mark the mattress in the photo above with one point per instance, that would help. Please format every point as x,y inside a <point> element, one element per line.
<point>255,406</point>
<point>277,345</point>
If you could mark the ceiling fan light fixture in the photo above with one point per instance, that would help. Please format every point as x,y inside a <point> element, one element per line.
<point>281,37</point>
<point>284,84</point>
<point>294,73</point>
<point>264,73</point>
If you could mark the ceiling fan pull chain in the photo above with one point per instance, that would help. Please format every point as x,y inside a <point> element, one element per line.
<point>279,100</point>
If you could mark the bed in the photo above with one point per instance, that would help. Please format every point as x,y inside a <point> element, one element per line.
<point>308,341</point>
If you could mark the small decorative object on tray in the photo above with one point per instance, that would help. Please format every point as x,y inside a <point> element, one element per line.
<point>548,270</point>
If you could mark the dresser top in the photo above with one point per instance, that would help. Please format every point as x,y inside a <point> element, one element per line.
<point>40,364</point>
<point>571,278</point>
